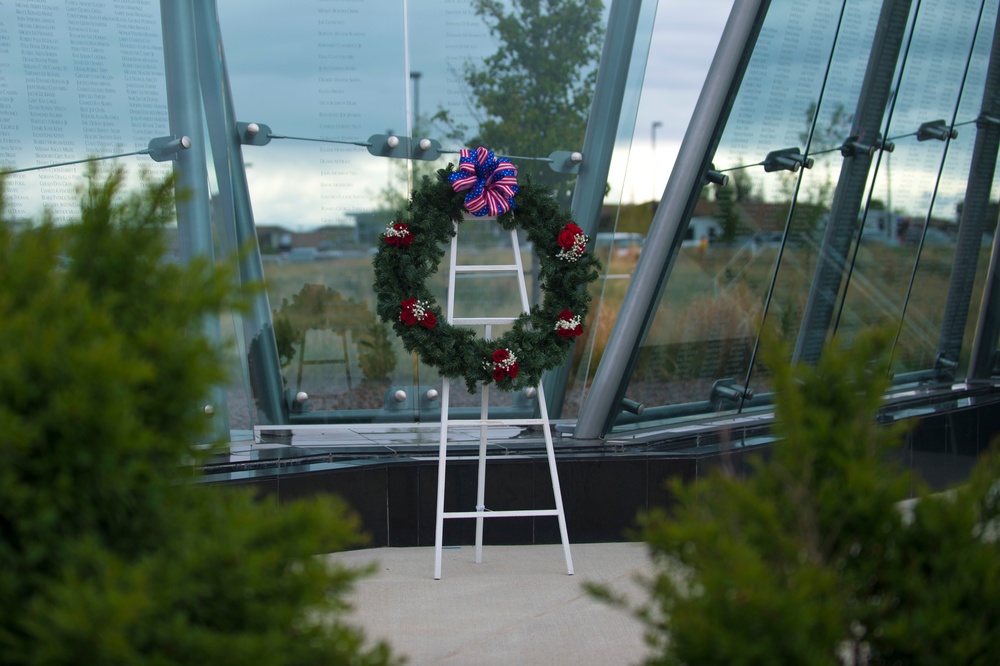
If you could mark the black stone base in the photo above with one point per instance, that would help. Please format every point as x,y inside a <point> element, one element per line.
<point>602,492</point>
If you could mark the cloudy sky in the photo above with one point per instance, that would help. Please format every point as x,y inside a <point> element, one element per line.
<point>85,80</point>
<point>435,39</point>
<point>341,70</point>
<point>78,81</point>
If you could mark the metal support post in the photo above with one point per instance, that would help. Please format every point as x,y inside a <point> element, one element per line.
<point>974,223</point>
<point>236,215</point>
<point>194,225</point>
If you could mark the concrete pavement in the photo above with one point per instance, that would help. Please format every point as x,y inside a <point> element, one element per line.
<point>517,607</point>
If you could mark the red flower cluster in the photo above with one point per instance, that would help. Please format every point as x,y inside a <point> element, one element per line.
<point>416,312</point>
<point>572,241</point>
<point>398,235</point>
<point>568,325</point>
<point>504,365</point>
<point>567,237</point>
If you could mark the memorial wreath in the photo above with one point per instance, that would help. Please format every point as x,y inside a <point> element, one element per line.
<point>411,248</point>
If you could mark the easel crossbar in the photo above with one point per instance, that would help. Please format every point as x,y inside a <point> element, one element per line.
<point>487,268</point>
<point>496,422</point>
<point>513,513</point>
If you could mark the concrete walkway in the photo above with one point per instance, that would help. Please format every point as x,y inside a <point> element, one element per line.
<point>517,607</point>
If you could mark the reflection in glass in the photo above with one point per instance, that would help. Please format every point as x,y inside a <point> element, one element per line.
<point>901,260</point>
<point>456,73</point>
<point>705,326</point>
<point>330,77</point>
<point>753,248</point>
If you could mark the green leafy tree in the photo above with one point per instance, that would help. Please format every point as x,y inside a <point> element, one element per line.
<point>813,559</point>
<point>812,206</point>
<point>378,356</point>
<point>110,551</point>
<point>534,93</point>
<point>317,307</point>
<point>739,189</point>
<point>830,132</point>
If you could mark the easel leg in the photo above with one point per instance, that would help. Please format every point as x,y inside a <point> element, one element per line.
<point>484,412</point>
<point>442,459</point>
<point>554,474</point>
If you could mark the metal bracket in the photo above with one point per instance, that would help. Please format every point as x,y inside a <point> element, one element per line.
<point>714,176</point>
<point>254,134</point>
<point>788,159</point>
<point>945,368</point>
<point>728,390</point>
<point>633,406</point>
<point>936,129</point>
<point>854,147</point>
<point>565,161</point>
<point>297,402</point>
<point>404,147</point>
<point>164,148</point>
<point>984,121</point>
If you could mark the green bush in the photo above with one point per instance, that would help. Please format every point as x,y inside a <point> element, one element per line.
<point>110,553</point>
<point>813,559</point>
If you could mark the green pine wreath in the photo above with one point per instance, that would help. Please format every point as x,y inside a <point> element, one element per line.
<point>410,251</point>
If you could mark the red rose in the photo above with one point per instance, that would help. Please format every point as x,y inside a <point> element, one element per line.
<point>564,332</point>
<point>513,370</point>
<point>498,374</point>
<point>402,238</point>
<point>575,229</point>
<point>406,315</point>
<point>429,320</point>
<point>406,238</point>
<point>500,355</point>
<point>567,239</point>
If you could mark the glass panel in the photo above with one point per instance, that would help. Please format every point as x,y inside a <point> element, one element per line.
<point>330,77</point>
<point>516,78</point>
<point>627,212</point>
<point>76,82</point>
<point>971,104</point>
<point>905,258</point>
<point>710,312</point>
<point>82,82</point>
<point>826,124</point>
<point>752,248</point>
<point>937,262</point>
<point>441,70</point>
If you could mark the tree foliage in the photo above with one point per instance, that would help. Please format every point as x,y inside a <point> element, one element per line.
<point>535,91</point>
<point>812,559</point>
<point>740,189</point>
<point>110,552</point>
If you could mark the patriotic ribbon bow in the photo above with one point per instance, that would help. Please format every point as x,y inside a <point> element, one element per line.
<point>491,181</point>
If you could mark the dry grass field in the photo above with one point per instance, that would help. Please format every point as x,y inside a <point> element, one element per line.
<point>705,328</point>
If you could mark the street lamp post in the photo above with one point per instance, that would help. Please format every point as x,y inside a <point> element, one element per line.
<point>652,170</point>
<point>415,77</point>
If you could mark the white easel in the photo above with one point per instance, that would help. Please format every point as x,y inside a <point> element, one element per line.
<point>484,421</point>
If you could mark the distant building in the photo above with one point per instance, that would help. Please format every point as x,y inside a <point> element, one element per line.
<point>275,239</point>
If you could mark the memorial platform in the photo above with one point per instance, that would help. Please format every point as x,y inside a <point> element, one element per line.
<point>517,607</point>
